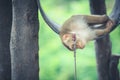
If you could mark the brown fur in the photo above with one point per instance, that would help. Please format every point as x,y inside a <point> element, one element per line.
<point>78,25</point>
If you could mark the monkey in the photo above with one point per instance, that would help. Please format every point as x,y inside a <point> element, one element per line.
<point>79,27</point>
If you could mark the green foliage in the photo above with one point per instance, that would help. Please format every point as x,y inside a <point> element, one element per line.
<point>56,62</point>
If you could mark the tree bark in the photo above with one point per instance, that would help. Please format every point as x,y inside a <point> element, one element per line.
<point>5,30</point>
<point>24,40</point>
<point>114,72</point>
<point>103,45</point>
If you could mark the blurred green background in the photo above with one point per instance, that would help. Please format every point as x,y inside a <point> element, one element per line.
<point>56,62</point>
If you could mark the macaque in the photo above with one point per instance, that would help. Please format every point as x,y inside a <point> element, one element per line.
<point>79,26</point>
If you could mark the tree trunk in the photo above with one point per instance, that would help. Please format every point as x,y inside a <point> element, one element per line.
<point>114,72</point>
<point>24,40</point>
<point>5,30</point>
<point>103,45</point>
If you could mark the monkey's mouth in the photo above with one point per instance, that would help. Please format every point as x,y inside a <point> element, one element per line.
<point>80,45</point>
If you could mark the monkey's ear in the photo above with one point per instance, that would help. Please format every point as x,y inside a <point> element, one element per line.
<point>66,37</point>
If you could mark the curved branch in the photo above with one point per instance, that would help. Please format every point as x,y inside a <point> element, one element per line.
<point>115,14</point>
<point>54,26</point>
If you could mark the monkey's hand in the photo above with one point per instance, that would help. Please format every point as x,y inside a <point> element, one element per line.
<point>109,26</point>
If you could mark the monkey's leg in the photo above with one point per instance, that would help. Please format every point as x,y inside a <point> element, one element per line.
<point>93,19</point>
<point>96,19</point>
<point>100,32</point>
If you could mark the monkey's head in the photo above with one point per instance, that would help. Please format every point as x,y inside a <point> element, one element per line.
<point>74,28</point>
<point>68,41</point>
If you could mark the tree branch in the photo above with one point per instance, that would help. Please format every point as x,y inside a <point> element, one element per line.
<point>115,14</point>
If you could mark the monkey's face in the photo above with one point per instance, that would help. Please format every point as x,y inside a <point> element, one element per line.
<point>68,41</point>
